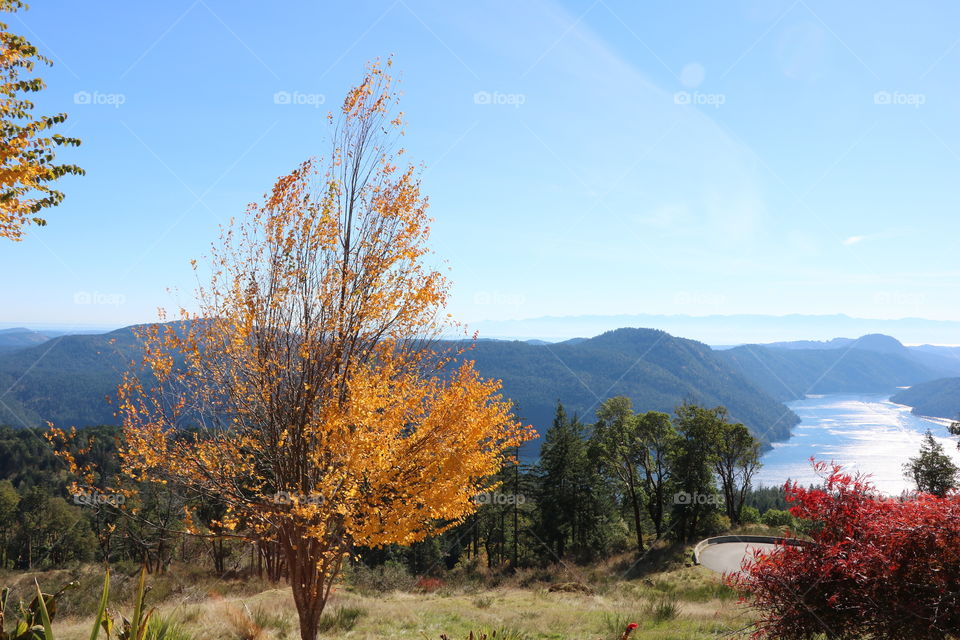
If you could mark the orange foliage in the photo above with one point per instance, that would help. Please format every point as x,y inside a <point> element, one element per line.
<point>26,155</point>
<point>308,369</point>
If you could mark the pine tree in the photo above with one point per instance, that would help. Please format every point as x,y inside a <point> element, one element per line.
<point>933,471</point>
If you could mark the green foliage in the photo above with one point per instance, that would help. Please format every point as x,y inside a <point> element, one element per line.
<point>749,514</point>
<point>932,471</point>
<point>32,621</point>
<point>777,518</point>
<point>576,510</point>
<point>939,398</point>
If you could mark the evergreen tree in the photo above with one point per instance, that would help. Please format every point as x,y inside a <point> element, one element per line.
<point>933,471</point>
<point>692,464</point>
<point>737,458</point>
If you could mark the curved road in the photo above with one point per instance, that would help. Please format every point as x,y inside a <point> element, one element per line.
<point>725,557</point>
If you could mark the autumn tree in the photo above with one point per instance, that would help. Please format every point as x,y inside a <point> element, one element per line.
<point>27,150</point>
<point>325,419</point>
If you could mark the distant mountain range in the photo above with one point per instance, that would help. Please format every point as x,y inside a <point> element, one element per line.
<point>937,398</point>
<point>66,380</point>
<point>656,370</point>
<point>870,364</point>
<point>727,329</point>
<point>17,338</point>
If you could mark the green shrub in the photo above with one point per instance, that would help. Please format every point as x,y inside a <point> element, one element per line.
<point>777,518</point>
<point>749,515</point>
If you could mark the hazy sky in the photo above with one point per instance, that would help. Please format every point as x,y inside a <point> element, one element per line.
<point>582,157</point>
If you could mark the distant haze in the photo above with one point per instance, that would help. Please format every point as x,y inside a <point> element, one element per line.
<point>724,330</point>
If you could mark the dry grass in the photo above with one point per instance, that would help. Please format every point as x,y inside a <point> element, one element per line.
<point>677,604</point>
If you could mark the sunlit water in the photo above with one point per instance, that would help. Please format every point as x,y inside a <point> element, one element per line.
<point>862,432</point>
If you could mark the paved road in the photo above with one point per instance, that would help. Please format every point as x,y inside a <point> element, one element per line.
<point>726,557</point>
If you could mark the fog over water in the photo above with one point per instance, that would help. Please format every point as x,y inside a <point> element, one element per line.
<point>864,432</point>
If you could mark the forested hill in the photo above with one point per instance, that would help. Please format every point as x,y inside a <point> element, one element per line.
<point>656,370</point>
<point>66,380</point>
<point>868,365</point>
<point>937,398</point>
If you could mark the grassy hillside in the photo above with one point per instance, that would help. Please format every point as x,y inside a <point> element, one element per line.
<point>674,602</point>
<point>938,398</point>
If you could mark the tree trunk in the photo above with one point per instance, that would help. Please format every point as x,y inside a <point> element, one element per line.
<point>635,503</point>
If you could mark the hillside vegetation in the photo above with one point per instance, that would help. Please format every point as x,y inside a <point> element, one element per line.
<point>937,398</point>
<point>68,379</point>
<point>789,373</point>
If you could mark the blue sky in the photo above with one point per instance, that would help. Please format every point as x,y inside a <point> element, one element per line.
<point>581,157</point>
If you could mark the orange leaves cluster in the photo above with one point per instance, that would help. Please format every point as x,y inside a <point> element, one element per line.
<point>27,156</point>
<point>310,369</point>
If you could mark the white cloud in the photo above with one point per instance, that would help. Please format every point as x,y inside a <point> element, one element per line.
<point>854,240</point>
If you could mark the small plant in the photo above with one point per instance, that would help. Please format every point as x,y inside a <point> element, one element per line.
<point>495,634</point>
<point>164,629</point>
<point>342,619</point>
<point>663,609</point>
<point>483,602</point>
<point>619,626</point>
<point>33,621</point>
<point>280,622</point>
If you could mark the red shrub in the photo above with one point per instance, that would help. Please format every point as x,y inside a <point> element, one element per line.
<point>881,567</point>
<point>429,585</point>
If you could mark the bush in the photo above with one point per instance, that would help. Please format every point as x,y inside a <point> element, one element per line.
<point>749,515</point>
<point>390,576</point>
<point>880,567</point>
<point>777,518</point>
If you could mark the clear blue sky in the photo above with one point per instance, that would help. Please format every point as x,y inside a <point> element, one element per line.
<point>621,157</point>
